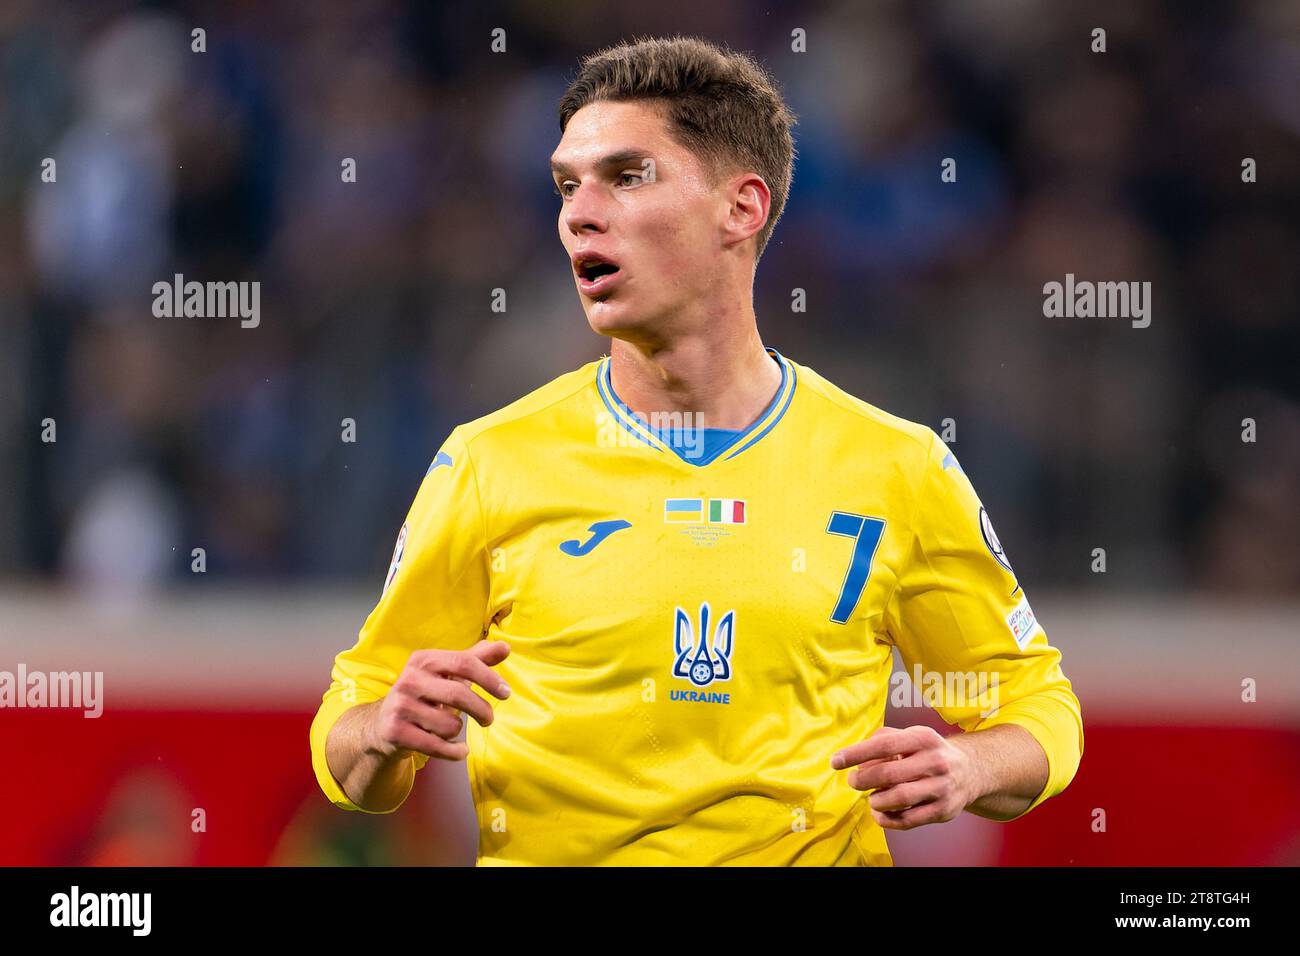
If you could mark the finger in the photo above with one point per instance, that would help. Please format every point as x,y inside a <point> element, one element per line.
<point>424,685</point>
<point>466,666</point>
<point>460,697</point>
<point>464,726</point>
<point>443,692</point>
<point>908,819</point>
<point>491,652</point>
<point>905,796</point>
<point>886,742</point>
<point>438,719</point>
<point>879,774</point>
<point>415,740</point>
<point>446,692</point>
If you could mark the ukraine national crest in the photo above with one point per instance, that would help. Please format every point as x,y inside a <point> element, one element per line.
<point>703,661</point>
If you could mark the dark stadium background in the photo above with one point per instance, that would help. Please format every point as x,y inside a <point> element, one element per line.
<point>924,298</point>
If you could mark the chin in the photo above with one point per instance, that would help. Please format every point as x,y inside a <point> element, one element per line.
<point>607,317</point>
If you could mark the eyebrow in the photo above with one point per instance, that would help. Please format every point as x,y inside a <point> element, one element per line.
<point>620,158</point>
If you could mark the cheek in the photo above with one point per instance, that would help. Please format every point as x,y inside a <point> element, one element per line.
<point>675,243</point>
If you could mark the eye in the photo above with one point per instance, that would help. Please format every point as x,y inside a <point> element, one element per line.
<point>635,175</point>
<point>560,189</point>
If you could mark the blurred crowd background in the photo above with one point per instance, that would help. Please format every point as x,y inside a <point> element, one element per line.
<point>924,298</point>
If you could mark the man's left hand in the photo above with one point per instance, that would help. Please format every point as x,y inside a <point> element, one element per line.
<point>918,775</point>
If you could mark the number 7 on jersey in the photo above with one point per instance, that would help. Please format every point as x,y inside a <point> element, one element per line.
<point>865,533</point>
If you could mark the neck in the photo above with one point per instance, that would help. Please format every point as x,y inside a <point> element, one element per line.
<point>726,378</point>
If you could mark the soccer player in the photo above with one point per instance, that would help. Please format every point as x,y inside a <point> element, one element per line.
<point>691,560</point>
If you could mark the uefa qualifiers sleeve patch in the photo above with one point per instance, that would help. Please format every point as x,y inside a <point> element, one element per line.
<point>398,551</point>
<point>991,540</point>
<point>1022,623</point>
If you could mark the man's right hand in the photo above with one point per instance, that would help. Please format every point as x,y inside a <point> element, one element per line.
<point>422,711</point>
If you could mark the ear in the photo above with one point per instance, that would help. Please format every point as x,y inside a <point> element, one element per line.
<point>750,202</point>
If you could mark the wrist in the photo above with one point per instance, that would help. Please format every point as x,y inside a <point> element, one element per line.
<point>974,781</point>
<point>372,744</point>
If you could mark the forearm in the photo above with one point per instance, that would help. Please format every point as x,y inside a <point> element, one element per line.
<point>372,780</point>
<point>1008,770</point>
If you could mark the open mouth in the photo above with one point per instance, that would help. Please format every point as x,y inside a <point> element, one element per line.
<point>596,277</point>
<point>593,270</point>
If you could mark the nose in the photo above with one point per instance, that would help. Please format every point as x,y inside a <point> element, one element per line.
<point>584,212</point>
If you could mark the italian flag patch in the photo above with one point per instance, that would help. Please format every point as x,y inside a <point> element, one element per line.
<point>726,511</point>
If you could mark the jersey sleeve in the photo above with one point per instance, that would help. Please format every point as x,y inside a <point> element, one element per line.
<point>959,613</point>
<point>435,595</point>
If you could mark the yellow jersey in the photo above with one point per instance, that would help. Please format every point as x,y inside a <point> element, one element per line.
<point>693,636</point>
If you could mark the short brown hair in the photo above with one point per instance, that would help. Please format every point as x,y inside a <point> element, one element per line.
<point>720,104</point>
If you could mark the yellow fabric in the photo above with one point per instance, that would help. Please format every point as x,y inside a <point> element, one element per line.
<point>597,758</point>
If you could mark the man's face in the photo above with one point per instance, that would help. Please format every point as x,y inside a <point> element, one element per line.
<point>635,197</point>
